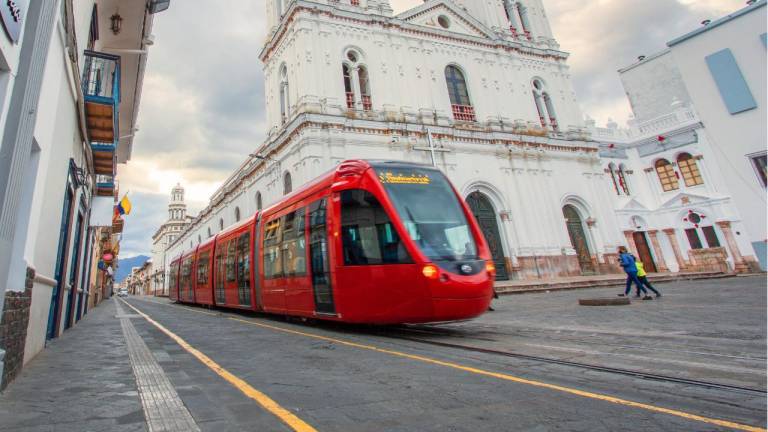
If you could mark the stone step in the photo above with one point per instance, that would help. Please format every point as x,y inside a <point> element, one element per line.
<point>556,285</point>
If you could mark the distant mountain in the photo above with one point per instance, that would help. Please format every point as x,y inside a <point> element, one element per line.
<point>124,266</point>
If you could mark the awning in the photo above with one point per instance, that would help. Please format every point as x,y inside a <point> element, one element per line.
<point>102,211</point>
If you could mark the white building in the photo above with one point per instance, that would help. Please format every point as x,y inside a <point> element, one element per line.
<point>164,236</point>
<point>347,79</point>
<point>723,65</point>
<point>70,79</point>
<point>674,177</point>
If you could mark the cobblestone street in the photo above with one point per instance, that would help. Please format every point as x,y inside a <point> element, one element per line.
<point>413,378</point>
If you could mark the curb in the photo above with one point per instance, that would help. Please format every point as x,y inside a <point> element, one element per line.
<point>563,286</point>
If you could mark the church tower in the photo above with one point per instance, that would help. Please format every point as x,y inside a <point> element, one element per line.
<point>177,208</point>
<point>522,19</point>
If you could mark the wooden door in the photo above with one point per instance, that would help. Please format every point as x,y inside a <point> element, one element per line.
<point>644,251</point>
<point>486,217</point>
<point>578,239</point>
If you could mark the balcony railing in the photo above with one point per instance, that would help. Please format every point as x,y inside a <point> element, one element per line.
<point>350,100</point>
<point>528,35</point>
<point>101,78</point>
<point>464,113</point>
<point>367,105</point>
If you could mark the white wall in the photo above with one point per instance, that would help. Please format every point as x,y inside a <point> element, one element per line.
<point>733,136</point>
<point>407,73</point>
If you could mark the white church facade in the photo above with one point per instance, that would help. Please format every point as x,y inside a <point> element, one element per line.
<point>485,81</point>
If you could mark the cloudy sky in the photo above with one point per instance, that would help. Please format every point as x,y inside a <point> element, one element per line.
<point>201,109</point>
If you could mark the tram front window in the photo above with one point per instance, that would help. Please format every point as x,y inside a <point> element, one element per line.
<point>431,212</point>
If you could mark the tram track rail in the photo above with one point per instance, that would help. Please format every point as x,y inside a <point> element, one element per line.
<point>483,334</point>
<point>580,365</point>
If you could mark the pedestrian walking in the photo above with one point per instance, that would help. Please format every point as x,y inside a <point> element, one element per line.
<point>643,277</point>
<point>629,264</point>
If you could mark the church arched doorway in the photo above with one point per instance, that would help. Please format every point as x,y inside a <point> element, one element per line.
<point>485,214</point>
<point>578,237</point>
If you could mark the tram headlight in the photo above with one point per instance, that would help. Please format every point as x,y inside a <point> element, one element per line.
<point>490,268</point>
<point>430,271</point>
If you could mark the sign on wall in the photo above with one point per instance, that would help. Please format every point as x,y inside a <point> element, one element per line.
<point>11,15</point>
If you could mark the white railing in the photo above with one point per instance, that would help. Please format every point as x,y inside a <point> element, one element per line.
<point>656,126</point>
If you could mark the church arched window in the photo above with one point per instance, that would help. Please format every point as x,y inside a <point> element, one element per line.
<point>522,13</point>
<point>510,8</point>
<point>209,232</point>
<point>689,169</point>
<point>287,184</point>
<point>199,239</point>
<point>237,214</point>
<point>284,99</point>
<point>544,106</point>
<point>349,91</point>
<point>612,172</point>
<point>623,179</point>
<point>258,200</point>
<point>221,224</point>
<point>357,86</point>
<point>667,175</point>
<point>459,94</point>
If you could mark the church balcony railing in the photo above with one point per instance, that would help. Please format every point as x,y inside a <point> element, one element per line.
<point>542,121</point>
<point>464,113</point>
<point>553,123</point>
<point>101,90</point>
<point>350,100</point>
<point>367,105</point>
<point>528,35</point>
<point>514,31</point>
<point>355,2</point>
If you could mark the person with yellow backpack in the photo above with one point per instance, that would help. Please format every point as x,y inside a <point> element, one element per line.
<point>643,277</point>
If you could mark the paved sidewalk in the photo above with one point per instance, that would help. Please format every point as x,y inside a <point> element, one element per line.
<point>82,382</point>
<point>594,281</point>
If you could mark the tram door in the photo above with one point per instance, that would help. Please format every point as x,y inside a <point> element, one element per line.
<point>318,257</point>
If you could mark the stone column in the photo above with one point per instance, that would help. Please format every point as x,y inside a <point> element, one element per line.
<point>631,243</point>
<point>740,266</point>
<point>681,262</point>
<point>356,87</point>
<point>661,264</point>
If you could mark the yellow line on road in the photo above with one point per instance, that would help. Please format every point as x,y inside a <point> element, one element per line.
<point>270,405</point>
<point>506,377</point>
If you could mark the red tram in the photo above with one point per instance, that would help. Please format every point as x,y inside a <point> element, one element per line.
<point>374,242</point>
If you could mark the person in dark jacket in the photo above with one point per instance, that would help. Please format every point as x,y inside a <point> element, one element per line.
<point>627,262</point>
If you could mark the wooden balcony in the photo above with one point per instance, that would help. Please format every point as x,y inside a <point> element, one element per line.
<point>105,185</point>
<point>101,90</point>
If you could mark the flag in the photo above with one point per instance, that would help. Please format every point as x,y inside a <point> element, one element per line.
<point>125,206</point>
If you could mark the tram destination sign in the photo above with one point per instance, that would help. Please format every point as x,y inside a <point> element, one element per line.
<point>401,178</point>
<point>11,15</point>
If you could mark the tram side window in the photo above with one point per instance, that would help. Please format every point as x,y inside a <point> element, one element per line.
<point>186,274</point>
<point>368,235</point>
<point>272,238</point>
<point>231,260</point>
<point>294,244</point>
<point>220,269</point>
<point>202,269</point>
<point>244,268</point>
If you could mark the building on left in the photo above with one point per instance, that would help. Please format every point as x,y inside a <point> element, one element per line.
<point>71,74</point>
